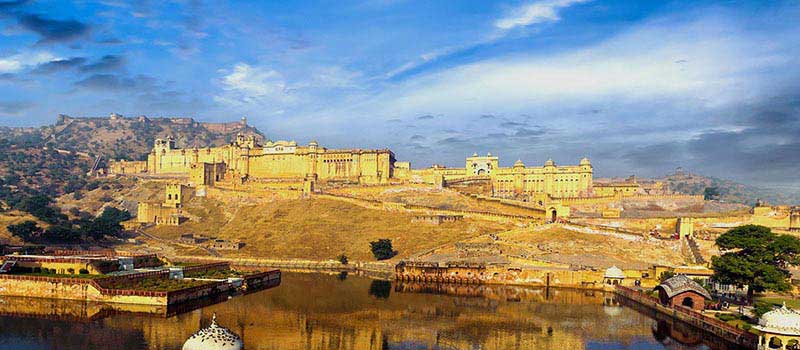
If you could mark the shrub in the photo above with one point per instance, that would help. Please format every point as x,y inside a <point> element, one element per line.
<point>342,259</point>
<point>382,249</point>
<point>71,271</point>
<point>726,317</point>
<point>666,275</point>
<point>83,271</point>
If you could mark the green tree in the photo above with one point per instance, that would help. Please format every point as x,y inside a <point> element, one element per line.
<point>41,207</point>
<point>757,257</point>
<point>26,230</point>
<point>108,223</point>
<point>382,249</point>
<point>711,193</point>
<point>61,234</point>
<point>666,275</point>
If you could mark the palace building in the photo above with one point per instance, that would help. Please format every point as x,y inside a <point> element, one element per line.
<point>245,157</point>
<point>518,181</point>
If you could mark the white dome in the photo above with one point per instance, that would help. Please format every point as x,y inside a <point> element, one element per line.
<point>614,272</point>
<point>782,320</point>
<point>213,337</point>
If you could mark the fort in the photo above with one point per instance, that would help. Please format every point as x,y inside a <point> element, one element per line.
<point>247,158</point>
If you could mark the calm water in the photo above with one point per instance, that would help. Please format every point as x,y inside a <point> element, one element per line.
<point>318,311</point>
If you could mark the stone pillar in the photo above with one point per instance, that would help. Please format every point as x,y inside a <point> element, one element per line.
<point>438,181</point>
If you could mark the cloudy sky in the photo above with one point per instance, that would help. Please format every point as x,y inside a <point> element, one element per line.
<point>639,87</point>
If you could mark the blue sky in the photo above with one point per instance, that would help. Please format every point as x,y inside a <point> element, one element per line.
<point>640,87</point>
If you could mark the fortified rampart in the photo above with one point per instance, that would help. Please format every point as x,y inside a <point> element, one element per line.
<point>536,215</point>
<point>636,197</point>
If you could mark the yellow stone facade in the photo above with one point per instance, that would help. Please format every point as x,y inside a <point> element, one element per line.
<point>524,182</point>
<point>778,217</point>
<point>166,213</point>
<point>518,181</point>
<point>273,160</point>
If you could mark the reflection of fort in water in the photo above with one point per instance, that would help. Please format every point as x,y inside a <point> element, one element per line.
<point>323,311</point>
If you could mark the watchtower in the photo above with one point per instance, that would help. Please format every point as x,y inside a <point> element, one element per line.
<point>174,196</point>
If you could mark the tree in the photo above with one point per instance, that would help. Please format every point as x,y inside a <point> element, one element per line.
<point>382,249</point>
<point>108,223</point>
<point>711,193</point>
<point>342,259</point>
<point>40,206</point>
<point>65,233</point>
<point>757,257</point>
<point>26,230</point>
<point>665,276</point>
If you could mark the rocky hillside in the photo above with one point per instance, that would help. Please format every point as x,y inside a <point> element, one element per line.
<point>54,159</point>
<point>117,137</point>
<point>729,191</point>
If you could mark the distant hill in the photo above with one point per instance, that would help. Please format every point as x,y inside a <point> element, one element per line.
<point>117,137</point>
<point>730,191</point>
<point>54,159</point>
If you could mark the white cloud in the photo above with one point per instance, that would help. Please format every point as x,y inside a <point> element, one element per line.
<point>331,77</point>
<point>702,61</point>
<point>15,63</point>
<point>666,78</point>
<point>258,85</point>
<point>246,84</point>
<point>537,12</point>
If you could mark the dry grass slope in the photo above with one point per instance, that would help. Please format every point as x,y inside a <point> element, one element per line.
<point>318,228</point>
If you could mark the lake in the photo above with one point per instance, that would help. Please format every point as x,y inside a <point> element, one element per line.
<point>331,311</point>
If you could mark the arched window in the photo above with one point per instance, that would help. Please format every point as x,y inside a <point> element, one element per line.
<point>688,302</point>
<point>775,343</point>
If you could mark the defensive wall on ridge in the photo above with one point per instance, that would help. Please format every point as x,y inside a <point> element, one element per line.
<point>394,206</point>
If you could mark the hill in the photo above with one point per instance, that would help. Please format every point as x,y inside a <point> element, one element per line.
<point>729,191</point>
<point>54,159</point>
<point>117,137</point>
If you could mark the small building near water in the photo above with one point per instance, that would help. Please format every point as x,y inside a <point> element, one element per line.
<point>780,329</point>
<point>613,276</point>
<point>680,290</point>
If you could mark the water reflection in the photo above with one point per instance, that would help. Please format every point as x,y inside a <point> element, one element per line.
<point>314,311</point>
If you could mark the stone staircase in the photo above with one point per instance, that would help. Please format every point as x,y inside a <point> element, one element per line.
<point>694,251</point>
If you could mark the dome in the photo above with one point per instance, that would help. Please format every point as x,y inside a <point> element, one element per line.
<point>614,272</point>
<point>475,154</point>
<point>782,320</point>
<point>585,161</point>
<point>213,337</point>
<point>550,162</point>
<point>313,143</point>
<point>519,163</point>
